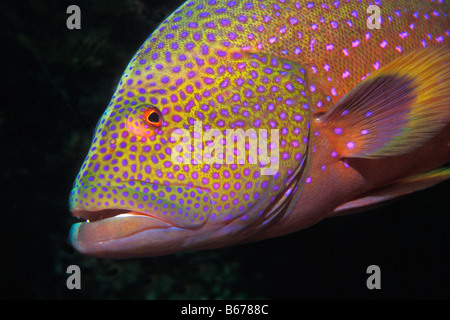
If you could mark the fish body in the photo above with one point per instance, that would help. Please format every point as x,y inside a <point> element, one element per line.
<point>242,120</point>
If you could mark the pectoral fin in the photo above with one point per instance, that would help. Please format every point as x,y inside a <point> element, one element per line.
<point>395,110</point>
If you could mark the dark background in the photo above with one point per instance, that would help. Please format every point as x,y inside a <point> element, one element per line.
<point>57,83</point>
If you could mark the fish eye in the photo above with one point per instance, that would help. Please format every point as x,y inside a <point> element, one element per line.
<point>153,117</point>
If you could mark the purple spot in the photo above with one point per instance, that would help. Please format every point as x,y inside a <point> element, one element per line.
<point>338,130</point>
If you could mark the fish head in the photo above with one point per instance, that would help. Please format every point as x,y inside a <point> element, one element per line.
<point>200,147</point>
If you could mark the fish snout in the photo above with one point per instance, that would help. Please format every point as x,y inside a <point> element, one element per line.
<point>124,218</point>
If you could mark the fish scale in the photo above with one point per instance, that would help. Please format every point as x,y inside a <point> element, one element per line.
<point>266,66</point>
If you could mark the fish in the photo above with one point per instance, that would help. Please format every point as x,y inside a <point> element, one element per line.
<point>238,121</point>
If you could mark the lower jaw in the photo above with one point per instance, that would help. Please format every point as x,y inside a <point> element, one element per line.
<point>126,236</point>
<point>113,228</point>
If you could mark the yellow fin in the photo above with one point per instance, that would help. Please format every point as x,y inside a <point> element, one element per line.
<point>396,109</point>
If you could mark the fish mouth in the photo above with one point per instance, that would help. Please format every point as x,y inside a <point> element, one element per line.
<point>97,218</point>
<point>98,215</point>
<point>120,218</point>
<point>185,207</point>
<point>105,231</point>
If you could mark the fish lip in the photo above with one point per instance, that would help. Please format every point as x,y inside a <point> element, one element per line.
<point>123,230</point>
<point>92,216</point>
<point>116,235</point>
<point>96,214</point>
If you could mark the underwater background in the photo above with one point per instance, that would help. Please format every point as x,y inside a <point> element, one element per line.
<point>57,83</point>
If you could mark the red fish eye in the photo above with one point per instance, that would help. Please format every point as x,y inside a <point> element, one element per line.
<point>153,117</point>
<point>144,121</point>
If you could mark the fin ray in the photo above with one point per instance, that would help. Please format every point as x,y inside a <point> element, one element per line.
<point>396,109</point>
